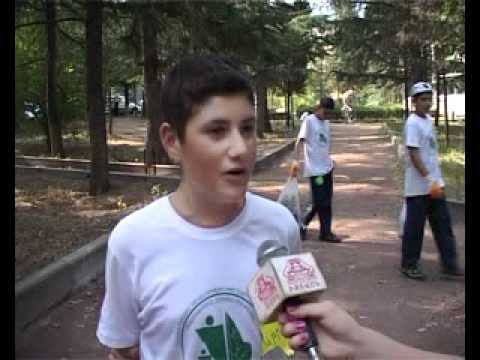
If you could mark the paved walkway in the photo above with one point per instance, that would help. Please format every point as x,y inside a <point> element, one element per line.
<point>362,273</point>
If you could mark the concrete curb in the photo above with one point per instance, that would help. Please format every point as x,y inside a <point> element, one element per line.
<point>113,166</point>
<point>43,289</point>
<point>270,157</point>
<point>114,175</point>
<point>31,164</point>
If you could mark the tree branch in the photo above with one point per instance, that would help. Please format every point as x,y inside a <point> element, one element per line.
<point>44,22</point>
<point>72,39</point>
<point>30,62</point>
<point>367,2</point>
<point>370,75</point>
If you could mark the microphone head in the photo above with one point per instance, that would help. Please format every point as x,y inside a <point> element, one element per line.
<point>270,249</point>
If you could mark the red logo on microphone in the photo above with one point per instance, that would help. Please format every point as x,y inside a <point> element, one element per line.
<point>297,269</point>
<point>265,288</point>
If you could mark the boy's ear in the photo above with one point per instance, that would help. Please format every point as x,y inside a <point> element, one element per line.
<point>170,142</point>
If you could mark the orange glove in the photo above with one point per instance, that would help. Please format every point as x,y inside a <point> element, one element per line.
<point>293,169</point>
<point>436,191</point>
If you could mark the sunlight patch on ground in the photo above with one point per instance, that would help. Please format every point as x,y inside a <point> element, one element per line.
<point>354,187</point>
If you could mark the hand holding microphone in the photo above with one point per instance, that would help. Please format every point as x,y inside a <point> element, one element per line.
<point>284,280</point>
<point>343,338</point>
<point>334,328</point>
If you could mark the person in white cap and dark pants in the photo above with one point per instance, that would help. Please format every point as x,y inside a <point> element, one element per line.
<point>424,191</point>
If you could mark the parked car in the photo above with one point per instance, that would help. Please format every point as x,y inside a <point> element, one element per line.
<point>31,111</point>
<point>134,108</point>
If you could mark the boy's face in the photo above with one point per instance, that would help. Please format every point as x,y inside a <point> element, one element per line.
<point>321,113</point>
<point>219,148</point>
<point>423,103</point>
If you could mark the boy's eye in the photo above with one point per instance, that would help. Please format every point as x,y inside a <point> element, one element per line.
<point>216,130</point>
<point>248,128</point>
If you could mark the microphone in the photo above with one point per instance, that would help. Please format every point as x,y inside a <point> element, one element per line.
<point>281,280</point>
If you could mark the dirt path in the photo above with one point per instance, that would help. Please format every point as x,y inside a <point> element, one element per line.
<point>362,273</point>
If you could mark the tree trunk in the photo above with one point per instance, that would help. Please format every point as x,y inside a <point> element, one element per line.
<point>293,111</point>
<point>95,100</point>
<point>267,126</point>
<point>289,95</point>
<point>127,98</point>
<point>405,89</point>
<point>445,108</point>
<point>54,124</point>
<point>437,112</point>
<point>110,115</point>
<point>154,152</point>
<point>261,100</point>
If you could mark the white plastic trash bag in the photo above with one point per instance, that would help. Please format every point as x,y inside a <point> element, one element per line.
<point>290,198</point>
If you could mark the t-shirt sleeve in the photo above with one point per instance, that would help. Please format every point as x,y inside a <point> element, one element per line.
<point>118,326</point>
<point>294,243</point>
<point>302,133</point>
<point>412,135</point>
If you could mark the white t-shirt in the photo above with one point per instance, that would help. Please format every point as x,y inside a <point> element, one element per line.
<point>181,290</point>
<point>304,115</point>
<point>316,135</point>
<point>420,133</point>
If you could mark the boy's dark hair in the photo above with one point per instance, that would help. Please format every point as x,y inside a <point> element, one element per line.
<point>327,103</point>
<point>195,79</point>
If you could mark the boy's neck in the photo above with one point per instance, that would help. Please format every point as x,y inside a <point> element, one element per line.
<point>201,210</point>
<point>421,114</point>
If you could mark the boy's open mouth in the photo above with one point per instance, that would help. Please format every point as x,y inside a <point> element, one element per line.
<point>236,171</point>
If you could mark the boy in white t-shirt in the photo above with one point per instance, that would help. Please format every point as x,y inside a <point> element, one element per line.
<point>315,135</point>
<point>424,191</point>
<point>177,270</point>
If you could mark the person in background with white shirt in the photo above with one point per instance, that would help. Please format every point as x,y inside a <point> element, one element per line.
<point>424,191</point>
<point>314,134</point>
<point>304,115</point>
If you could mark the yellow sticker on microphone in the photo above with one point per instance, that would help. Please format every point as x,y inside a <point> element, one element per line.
<point>272,338</point>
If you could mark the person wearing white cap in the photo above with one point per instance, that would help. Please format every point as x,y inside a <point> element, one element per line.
<point>424,191</point>
<point>347,110</point>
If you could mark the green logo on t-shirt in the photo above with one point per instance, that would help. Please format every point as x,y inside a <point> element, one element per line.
<point>223,342</point>
<point>322,138</point>
<point>220,324</point>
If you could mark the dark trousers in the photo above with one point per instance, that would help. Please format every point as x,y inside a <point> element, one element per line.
<point>321,203</point>
<point>418,209</point>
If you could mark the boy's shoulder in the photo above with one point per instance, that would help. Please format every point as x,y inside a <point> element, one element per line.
<point>414,118</point>
<point>265,206</point>
<point>141,220</point>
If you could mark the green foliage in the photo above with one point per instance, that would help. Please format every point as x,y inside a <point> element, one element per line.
<point>158,190</point>
<point>390,42</point>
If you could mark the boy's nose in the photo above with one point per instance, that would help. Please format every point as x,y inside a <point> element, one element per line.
<point>238,146</point>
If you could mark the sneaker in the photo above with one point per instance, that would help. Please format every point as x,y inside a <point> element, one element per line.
<point>454,272</point>
<point>414,272</point>
<point>303,232</point>
<point>332,238</point>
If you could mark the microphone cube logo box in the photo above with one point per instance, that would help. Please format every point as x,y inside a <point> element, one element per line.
<point>281,278</point>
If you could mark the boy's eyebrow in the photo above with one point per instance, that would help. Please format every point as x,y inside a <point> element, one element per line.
<point>249,119</point>
<point>223,121</point>
<point>216,121</point>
